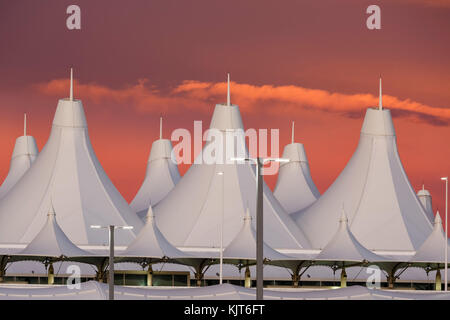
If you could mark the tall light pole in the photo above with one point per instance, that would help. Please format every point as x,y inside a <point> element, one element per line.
<point>111,229</point>
<point>446,230</point>
<point>221,229</point>
<point>259,162</point>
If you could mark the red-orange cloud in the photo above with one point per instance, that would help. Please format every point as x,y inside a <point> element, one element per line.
<point>142,96</point>
<point>198,96</point>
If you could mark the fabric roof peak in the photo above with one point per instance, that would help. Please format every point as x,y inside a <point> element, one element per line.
<point>437,219</point>
<point>383,210</point>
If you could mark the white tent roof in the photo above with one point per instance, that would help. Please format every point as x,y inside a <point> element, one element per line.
<point>383,210</point>
<point>52,242</point>
<point>161,176</point>
<point>92,290</point>
<point>68,172</point>
<point>295,188</point>
<point>190,215</point>
<point>151,243</point>
<point>243,245</point>
<point>425,199</point>
<point>345,247</point>
<point>234,292</point>
<point>433,249</point>
<point>24,153</point>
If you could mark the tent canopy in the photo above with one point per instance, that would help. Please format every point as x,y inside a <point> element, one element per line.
<point>52,242</point>
<point>244,245</point>
<point>433,249</point>
<point>383,210</point>
<point>151,243</point>
<point>68,173</point>
<point>161,176</point>
<point>295,188</point>
<point>24,153</point>
<point>345,247</point>
<point>191,214</point>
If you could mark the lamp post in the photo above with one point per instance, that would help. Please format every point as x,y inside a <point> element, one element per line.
<point>446,230</point>
<point>111,229</point>
<point>259,162</point>
<point>221,229</point>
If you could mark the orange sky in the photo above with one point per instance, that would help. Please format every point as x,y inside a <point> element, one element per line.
<point>309,61</point>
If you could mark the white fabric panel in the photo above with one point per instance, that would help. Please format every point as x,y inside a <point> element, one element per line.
<point>433,249</point>
<point>68,174</point>
<point>93,290</point>
<point>244,245</point>
<point>426,201</point>
<point>161,176</point>
<point>190,215</point>
<point>89,291</point>
<point>151,243</point>
<point>295,189</point>
<point>383,210</point>
<point>52,242</point>
<point>24,154</point>
<point>345,247</point>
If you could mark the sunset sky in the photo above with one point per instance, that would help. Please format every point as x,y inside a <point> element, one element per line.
<point>312,62</point>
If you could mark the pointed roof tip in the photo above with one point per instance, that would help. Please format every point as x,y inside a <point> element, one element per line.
<point>380,100</point>
<point>160,127</point>
<point>71,84</point>
<point>228,90</point>
<point>437,218</point>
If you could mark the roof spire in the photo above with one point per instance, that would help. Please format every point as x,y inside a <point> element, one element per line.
<point>160,127</point>
<point>228,90</point>
<point>24,124</point>
<point>292,134</point>
<point>437,219</point>
<point>380,100</point>
<point>71,84</point>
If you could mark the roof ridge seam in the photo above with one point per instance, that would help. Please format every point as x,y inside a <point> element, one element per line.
<point>353,217</point>
<point>49,185</point>
<point>203,204</point>
<point>91,157</point>
<point>281,221</point>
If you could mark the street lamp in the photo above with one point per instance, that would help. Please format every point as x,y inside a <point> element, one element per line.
<point>111,254</point>
<point>221,229</point>
<point>259,162</point>
<point>446,230</point>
